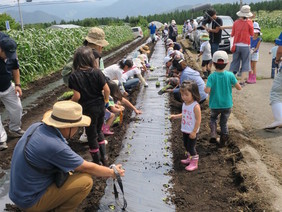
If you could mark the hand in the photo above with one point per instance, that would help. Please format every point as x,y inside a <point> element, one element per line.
<point>18,91</point>
<point>125,93</point>
<point>192,135</point>
<point>138,112</point>
<point>121,108</point>
<point>171,117</point>
<point>169,90</point>
<point>121,171</point>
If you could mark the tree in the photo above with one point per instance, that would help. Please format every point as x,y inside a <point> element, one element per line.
<point>5,17</point>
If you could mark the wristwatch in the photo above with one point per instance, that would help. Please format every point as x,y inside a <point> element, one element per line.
<point>19,85</point>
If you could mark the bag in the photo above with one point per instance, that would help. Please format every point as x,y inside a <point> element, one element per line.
<point>174,31</point>
<point>232,45</point>
<point>60,178</point>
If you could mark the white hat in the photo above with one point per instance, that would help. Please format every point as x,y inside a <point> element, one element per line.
<point>167,59</point>
<point>220,55</point>
<point>173,22</point>
<point>256,25</point>
<point>170,52</point>
<point>245,11</point>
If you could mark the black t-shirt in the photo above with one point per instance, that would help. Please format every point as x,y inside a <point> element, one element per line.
<point>176,46</point>
<point>5,76</point>
<point>216,37</point>
<point>89,84</point>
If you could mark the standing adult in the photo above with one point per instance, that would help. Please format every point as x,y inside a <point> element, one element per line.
<point>9,92</point>
<point>242,31</point>
<point>215,30</point>
<point>172,31</point>
<point>153,29</point>
<point>44,146</point>
<point>276,90</point>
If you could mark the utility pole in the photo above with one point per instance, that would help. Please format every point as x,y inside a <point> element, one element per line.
<point>241,3</point>
<point>21,17</point>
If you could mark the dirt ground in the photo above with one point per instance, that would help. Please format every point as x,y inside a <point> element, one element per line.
<point>243,176</point>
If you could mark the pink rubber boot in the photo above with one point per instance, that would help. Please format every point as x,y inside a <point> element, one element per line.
<point>186,161</point>
<point>106,130</point>
<point>193,164</point>
<point>250,79</point>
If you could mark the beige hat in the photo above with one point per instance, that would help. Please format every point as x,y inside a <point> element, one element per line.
<point>66,114</point>
<point>204,36</point>
<point>245,11</point>
<point>145,49</point>
<point>220,55</point>
<point>97,36</point>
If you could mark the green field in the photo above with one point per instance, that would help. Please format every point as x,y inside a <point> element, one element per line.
<point>44,51</point>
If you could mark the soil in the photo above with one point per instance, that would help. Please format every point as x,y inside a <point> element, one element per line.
<point>228,178</point>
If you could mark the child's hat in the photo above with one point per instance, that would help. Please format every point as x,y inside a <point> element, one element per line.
<point>220,57</point>
<point>257,31</point>
<point>167,59</point>
<point>205,37</point>
<point>278,41</point>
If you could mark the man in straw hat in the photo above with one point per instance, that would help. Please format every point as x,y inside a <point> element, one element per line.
<point>44,146</point>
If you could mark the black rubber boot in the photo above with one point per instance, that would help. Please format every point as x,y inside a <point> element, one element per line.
<point>104,157</point>
<point>96,157</point>
<point>223,140</point>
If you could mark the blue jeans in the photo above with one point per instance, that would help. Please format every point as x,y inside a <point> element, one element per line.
<point>131,83</point>
<point>224,115</point>
<point>273,67</point>
<point>214,48</point>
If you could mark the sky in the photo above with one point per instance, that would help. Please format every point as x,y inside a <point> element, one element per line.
<point>99,2</point>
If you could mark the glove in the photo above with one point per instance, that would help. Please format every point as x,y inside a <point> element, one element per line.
<point>252,51</point>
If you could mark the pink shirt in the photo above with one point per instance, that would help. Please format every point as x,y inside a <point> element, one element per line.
<point>188,118</point>
<point>242,30</point>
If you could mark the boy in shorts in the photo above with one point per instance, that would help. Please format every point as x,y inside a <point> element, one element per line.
<point>205,52</point>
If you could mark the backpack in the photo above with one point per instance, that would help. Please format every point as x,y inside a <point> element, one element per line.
<point>66,72</point>
<point>174,31</point>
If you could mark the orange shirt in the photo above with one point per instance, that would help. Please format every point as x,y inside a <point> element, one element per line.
<point>242,31</point>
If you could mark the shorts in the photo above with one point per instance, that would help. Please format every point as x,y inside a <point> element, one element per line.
<point>107,115</point>
<point>205,62</point>
<point>255,56</point>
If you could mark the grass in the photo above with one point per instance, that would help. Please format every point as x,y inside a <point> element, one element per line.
<point>269,34</point>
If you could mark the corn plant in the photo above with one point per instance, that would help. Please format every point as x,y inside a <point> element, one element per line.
<point>44,51</point>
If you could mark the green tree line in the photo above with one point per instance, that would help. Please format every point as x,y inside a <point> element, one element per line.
<point>179,16</point>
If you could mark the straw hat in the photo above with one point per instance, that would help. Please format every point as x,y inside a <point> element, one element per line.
<point>145,49</point>
<point>66,114</point>
<point>205,37</point>
<point>97,36</point>
<point>245,12</point>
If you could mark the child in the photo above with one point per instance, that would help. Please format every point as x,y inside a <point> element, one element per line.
<point>205,52</point>
<point>274,65</point>
<point>87,83</point>
<point>255,43</point>
<point>191,120</point>
<point>219,86</point>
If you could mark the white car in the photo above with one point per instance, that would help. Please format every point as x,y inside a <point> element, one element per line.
<point>137,32</point>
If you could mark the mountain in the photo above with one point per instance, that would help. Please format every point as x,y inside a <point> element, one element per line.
<point>36,12</point>
<point>34,17</point>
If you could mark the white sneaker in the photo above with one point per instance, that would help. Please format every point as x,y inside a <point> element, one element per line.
<point>3,146</point>
<point>83,138</point>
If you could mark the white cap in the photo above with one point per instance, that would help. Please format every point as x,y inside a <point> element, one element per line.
<point>220,55</point>
<point>167,59</point>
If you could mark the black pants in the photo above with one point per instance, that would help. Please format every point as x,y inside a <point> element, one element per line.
<point>94,131</point>
<point>190,144</point>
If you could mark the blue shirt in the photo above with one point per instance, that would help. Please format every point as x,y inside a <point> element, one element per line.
<point>152,28</point>
<point>220,84</point>
<point>190,74</point>
<point>254,43</point>
<point>46,149</point>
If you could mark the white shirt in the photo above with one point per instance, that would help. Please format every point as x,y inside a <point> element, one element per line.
<point>130,73</point>
<point>113,72</point>
<point>206,49</point>
<point>188,118</point>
